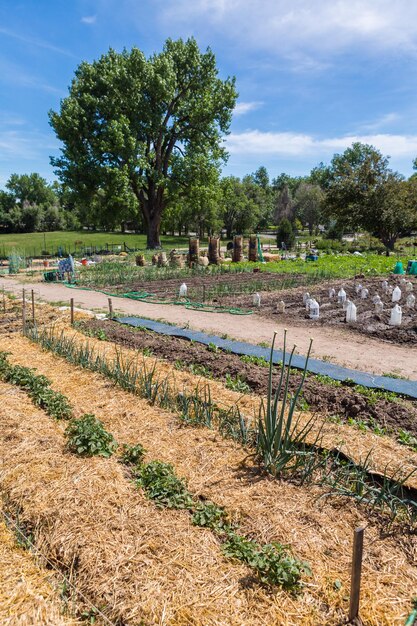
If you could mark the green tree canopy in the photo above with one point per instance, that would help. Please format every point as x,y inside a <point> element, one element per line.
<point>31,189</point>
<point>239,212</point>
<point>309,200</point>
<point>363,193</point>
<point>138,119</point>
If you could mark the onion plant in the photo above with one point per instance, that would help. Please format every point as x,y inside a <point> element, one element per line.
<point>282,441</point>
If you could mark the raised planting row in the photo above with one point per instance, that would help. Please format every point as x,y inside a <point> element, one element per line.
<point>86,436</point>
<point>159,566</point>
<point>382,412</point>
<point>289,448</point>
<point>38,387</point>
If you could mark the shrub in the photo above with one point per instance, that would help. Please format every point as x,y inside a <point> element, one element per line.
<point>285,234</point>
<point>87,437</point>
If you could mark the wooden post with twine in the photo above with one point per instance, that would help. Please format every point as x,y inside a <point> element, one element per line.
<point>72,311</point>
<point>33,306</point>
<point>355,584</point>
<point>24,310</point>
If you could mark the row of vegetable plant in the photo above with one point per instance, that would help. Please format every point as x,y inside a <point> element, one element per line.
<point>273,563</point>
<point>286,448</point>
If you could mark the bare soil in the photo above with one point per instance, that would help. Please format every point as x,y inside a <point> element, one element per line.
<point>332,314</point>
<point>327,399</point>
<point>336,343</point>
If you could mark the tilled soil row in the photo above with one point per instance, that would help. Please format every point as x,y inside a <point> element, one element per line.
<point>326,399</point>
<point>319,530</point>
<point>234,280</point>
<point>385,455</point>
<point>368,322</point>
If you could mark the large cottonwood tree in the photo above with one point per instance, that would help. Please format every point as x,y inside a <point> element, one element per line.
<point>139,120</point>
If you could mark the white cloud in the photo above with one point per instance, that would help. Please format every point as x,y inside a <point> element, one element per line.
<point>26,146</point>
<point>284,27</point>
<point>382,122</point>
<point>245,107</point>
<point>89,19</point>
<point>39,43</point>
<point>298,145</point>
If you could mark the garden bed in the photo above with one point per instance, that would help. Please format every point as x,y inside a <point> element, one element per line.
<point>368,322</point>
<point>141,563</point>
<point>324,396</point>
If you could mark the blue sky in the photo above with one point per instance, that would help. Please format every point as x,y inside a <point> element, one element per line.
<point>313,75</point>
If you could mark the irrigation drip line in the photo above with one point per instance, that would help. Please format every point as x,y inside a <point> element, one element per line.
<point>39,554</point>
<point>150,298</point>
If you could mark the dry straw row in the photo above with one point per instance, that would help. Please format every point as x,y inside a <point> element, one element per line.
<point>318,530</point>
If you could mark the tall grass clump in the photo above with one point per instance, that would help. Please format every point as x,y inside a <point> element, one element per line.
<point>282,441</point>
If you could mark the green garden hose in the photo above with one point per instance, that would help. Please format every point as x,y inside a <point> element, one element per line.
<point>149,298</point>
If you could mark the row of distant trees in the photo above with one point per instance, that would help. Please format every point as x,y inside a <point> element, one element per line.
<point>357,191</point>
<point>29,204</point>
<point>143,147</point>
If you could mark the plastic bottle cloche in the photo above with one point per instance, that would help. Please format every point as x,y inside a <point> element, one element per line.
<point>183,290</point>
<point>341,295</point>
<point>256,299</point>
<point>396,315</point>
<point>351,312</point>
<point>314,310</point>
<point>396,294</point>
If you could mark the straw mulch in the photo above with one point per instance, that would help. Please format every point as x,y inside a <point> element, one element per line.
<point>318,529</point>
<point>144,565</point>
<point>386,455</point>
<point>11,314</point>
<point>27,596</point>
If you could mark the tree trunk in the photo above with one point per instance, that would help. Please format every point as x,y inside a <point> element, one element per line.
<point>152,236</point>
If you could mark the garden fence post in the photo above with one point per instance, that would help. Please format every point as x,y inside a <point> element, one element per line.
<point>33,307</point>
<point>24,310</point>
<point>355,585</point>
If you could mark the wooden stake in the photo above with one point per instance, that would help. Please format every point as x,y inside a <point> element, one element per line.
<point>24,311</point>
<point>110,309</point>
<point>355,585</point>
<point>33,307</point>
<point>4,302</point>
<point>72,311</point>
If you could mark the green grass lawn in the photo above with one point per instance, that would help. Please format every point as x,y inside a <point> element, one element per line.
<point>32,244</point>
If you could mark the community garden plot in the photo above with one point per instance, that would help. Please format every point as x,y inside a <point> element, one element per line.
<point>381,411</point>
<point>369,322</point>
<point>142,563</point>
<point>318,530</point>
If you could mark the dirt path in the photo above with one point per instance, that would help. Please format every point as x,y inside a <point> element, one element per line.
<point>335,345</point>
